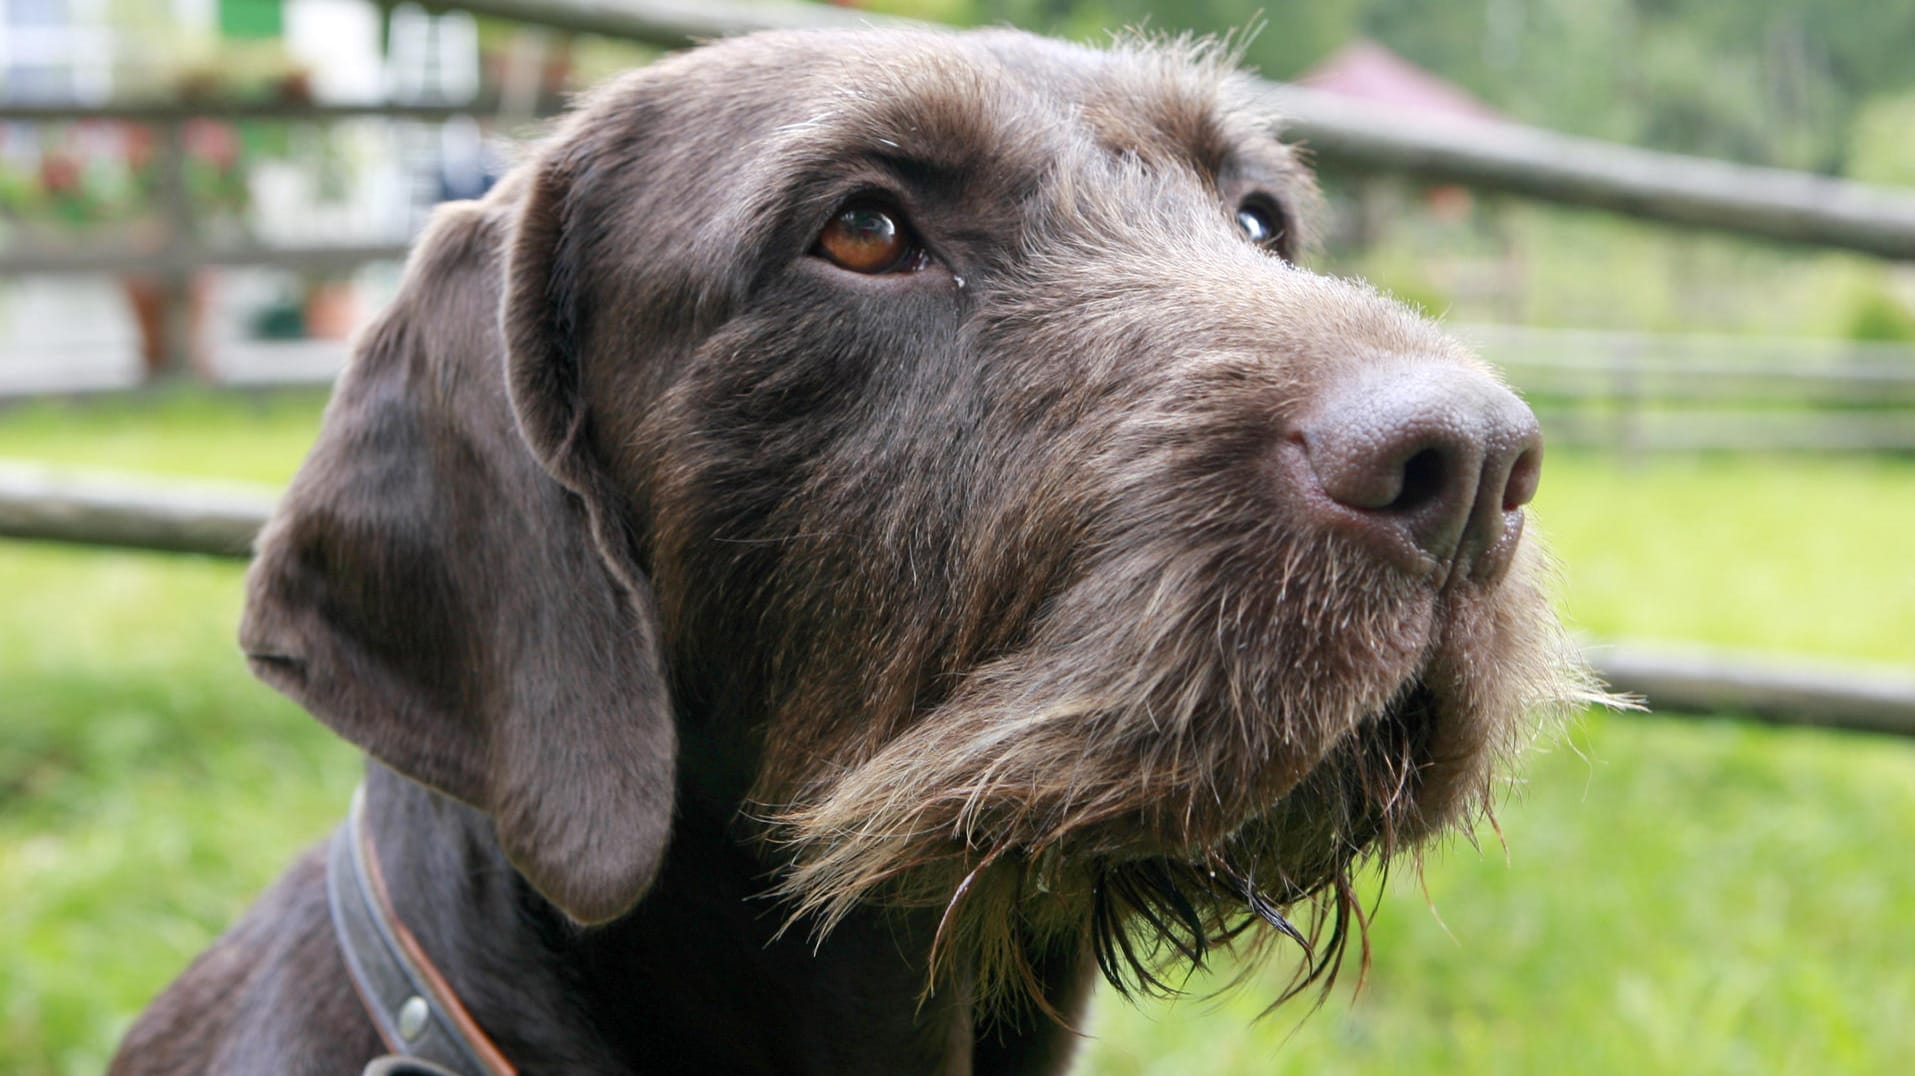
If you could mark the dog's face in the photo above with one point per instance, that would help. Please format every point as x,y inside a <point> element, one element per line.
<point>948,416</point>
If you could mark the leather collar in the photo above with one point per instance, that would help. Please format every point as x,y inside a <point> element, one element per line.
<point>410,1002</point>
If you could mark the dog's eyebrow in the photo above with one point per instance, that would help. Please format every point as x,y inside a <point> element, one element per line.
<point>930,145</point>
<point>922,170</point>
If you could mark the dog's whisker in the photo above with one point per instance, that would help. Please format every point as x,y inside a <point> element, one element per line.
<point>1270,914</point>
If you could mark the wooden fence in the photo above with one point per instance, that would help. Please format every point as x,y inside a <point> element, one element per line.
<point>1637,393</point>
<point>1347,135</point>
<point>1666,188</point>
<point>1338,133</point>
<point>1633,394</point>
<point>181,250</point>
<point>42,504</point>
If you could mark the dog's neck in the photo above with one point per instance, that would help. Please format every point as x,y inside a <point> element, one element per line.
<point>696,979</point>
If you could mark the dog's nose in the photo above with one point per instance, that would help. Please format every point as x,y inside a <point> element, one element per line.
<point>1435,459</point>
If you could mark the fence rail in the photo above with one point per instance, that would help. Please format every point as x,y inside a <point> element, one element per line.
<point>1688,679</point>
<point>43,504</point>
<point>177,259</point>
<point>1638,393</point>
<point>38,503</point>
<point>1630,393</point>
<point>1668,188</point>
<point>1338,133</point>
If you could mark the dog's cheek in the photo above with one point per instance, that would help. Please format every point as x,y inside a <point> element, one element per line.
<point>788,466</point>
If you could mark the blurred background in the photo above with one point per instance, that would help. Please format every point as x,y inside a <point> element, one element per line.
<point>201,200</point>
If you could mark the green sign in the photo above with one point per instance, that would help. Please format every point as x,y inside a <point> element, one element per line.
<point>251,19</point>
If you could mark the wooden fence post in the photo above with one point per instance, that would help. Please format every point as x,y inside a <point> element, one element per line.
<point>179,328</point>
<point>1630,444</point>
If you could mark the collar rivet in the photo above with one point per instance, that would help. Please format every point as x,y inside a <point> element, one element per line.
<point>413,1016</point>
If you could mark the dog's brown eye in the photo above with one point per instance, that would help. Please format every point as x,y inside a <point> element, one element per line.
<point>868,240</point>
<point>1263,226</point>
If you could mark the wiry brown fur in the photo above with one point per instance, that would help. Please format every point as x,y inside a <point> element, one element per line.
<point>1133,659</point>
<point>977,615</point>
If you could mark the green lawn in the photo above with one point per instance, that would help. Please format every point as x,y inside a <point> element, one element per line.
<point>1677,896</point>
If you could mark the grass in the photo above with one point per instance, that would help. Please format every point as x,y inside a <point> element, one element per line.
<point>1676,896</point>
<point>183,431</point>
<point>1791,555</point>
<point>148,787</point>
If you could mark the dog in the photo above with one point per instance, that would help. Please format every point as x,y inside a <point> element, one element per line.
<point>858,537</point>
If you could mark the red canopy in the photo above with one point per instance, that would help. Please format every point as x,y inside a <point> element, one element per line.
<point>1367,71</point>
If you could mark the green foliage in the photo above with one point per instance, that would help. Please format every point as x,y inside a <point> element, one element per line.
<point>1565,268</point>
<point>1408,283</point>
<point>952,12</point>
<point>1880,316</point>
<point>1288,37</point>
<point>1767,82</point>
<point>1675,896</point>
<point>1884,149</point>
<point>72,187</point>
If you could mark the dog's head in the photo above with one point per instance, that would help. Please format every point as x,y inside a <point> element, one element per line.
<point>934,435</point>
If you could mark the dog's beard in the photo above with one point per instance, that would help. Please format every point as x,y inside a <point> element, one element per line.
<point>1173,767</point>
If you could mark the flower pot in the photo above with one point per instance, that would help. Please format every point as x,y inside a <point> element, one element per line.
<point>332,310</point>
<point>148,296</point>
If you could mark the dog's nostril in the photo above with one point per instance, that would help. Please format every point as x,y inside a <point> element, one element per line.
<point>1524,476</point>
<point>1423,481</point>
<point>1430,457</point>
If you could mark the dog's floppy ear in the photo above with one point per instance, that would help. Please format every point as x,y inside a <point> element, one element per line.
<point>429,590</point>
<point>542,324</point>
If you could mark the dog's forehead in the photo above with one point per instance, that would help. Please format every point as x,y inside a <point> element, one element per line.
<point>998,97</point>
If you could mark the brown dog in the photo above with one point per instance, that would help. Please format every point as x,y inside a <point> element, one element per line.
<point>857,536</point>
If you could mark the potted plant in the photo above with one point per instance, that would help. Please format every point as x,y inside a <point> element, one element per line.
<point>213,174</point>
